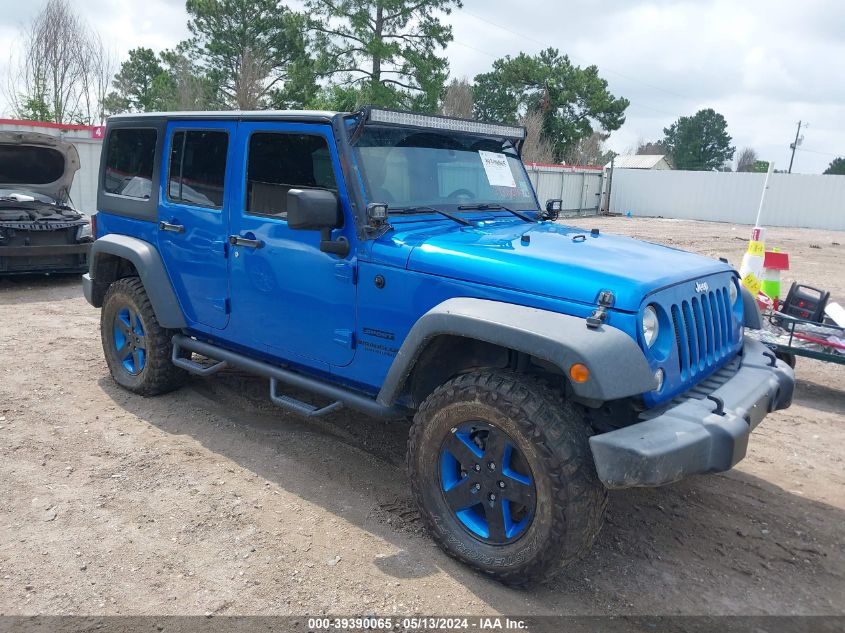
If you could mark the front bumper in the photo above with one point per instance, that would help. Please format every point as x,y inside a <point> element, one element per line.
<point>88,289</point>
<point>44,258</point>
<point>698,435</point>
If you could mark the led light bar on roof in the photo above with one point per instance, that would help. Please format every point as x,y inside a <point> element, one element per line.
<point>445,123</point>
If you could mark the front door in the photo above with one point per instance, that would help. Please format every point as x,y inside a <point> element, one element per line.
<point>194,217</point>
<point>287,295</point>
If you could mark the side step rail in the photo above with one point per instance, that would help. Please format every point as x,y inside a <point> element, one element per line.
<point>192,367</point>
<point>297,406</point>
<point>339,395</point>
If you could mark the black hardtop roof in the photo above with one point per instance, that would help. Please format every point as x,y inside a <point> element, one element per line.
<point>374,114</point>
<point>318,116</point>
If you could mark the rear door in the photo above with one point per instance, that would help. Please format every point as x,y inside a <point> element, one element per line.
<point>194,216</point>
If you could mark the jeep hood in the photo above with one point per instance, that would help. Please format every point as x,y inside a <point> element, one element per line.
<point>549,259</point>
<point>39,163</point>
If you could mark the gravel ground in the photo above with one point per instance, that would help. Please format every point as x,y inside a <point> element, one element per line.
<point>209,500</point>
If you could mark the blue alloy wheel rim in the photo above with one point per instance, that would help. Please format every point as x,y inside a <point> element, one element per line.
<point>487,483</point>
<point>129,340</point>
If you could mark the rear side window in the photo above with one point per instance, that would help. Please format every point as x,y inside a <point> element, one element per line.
<point>280,162</point>
<point>198,167</point>
<point>129,162</point>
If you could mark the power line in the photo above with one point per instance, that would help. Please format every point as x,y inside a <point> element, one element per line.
<point>814,151</point>
<point>477,50</point>
<point>604,68</point>
<point>642,105</point>
<point>494,56</point>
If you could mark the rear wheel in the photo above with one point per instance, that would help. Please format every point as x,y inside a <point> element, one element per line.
<point>137,349</point>
<point>502,471</point>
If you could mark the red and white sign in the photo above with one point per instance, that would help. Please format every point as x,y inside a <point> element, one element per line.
<point>98,131</point>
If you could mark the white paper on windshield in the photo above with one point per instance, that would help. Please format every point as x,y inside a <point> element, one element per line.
<point>498,170</point>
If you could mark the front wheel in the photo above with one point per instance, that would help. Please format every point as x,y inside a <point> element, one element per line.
<point>502,472</point>
<point>137,349</point>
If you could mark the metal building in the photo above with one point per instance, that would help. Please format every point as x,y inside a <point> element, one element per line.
<point>640,161</point>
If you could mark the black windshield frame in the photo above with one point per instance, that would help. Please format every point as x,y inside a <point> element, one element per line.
<point>426,151</point>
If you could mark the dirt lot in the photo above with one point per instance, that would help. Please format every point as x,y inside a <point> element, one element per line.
<point>209,500</point>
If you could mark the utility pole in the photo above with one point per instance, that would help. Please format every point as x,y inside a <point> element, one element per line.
<point>794,146</point>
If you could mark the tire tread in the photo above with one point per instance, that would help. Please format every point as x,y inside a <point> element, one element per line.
<point>160,375</point>
<point>561,437</point>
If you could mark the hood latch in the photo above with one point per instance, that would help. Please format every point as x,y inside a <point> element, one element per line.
<point>599,315</point>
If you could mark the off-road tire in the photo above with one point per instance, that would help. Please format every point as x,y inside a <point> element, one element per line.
<point>159,375</point>
<point>550,432</point>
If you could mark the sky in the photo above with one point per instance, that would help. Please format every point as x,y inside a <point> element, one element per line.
<point>764,65</point>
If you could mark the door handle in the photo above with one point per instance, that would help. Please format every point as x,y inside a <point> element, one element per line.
<point>237,240</point>
<point>172,228</point>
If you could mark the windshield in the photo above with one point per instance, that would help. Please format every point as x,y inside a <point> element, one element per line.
<point>410,168</point>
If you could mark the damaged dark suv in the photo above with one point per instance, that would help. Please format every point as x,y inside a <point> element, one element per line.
<point>39,231</point>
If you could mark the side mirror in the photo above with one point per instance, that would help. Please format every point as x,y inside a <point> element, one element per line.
<point>553,209</point>
<point>313,210</point>
<point>318,210</point>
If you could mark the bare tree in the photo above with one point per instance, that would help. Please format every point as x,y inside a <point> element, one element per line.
<point>98,68</point>
<point>188,86</point>
<point>458,99</point>
<point>536,148</point>
<point>63,70</point>
<point>746,160</point>
<point>651,148</point>
<point>249,84</point>
<point>589,151</point>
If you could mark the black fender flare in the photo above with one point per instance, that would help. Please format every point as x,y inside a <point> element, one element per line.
<point>750,311</point>
<point>617,366</point>
<point>147,261</point>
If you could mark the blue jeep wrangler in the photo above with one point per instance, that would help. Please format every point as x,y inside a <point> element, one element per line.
<point>400,265</point>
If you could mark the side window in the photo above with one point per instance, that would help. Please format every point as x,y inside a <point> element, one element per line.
<point>198,167</point>
<point>279,162</point>
<point>130,155</point>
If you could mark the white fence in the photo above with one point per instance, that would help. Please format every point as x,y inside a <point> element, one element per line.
<point>792,199</point>
<point>579,188</point>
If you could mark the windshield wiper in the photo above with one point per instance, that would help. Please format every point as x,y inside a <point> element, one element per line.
<point>496,207</point>
<point>410,210</point>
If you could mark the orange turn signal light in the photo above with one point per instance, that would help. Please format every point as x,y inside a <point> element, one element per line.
<point>579,373</point>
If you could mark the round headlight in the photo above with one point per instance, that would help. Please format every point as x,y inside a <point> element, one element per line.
<point>734,291</point>
<point>650,325</point>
